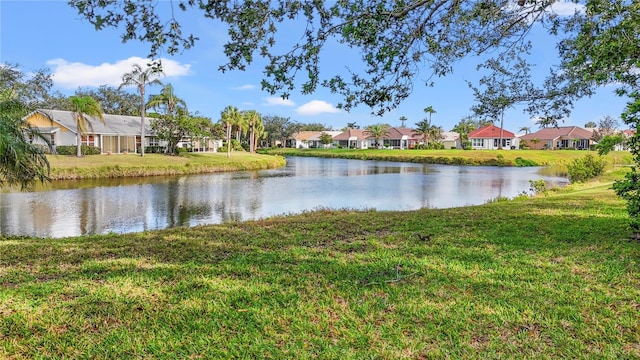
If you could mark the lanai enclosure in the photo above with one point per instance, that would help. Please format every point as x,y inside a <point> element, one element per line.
<point>118,134</point>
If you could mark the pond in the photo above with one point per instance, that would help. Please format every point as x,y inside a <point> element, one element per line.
<point>70,208</point>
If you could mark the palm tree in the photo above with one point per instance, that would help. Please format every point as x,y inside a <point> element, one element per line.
<point>230,116</point>
<point>377,132</point>
<point>429,110</point>
<point>21,161</point>
<point>403,119</point>
<point>423,129</point>
<point>141,78</point>
<point>464,127</point>
<point>252,118</point>
<point>166,101</point>
<point>259,133</point>
<point>544,122</point>
<point>526,129</point>
<point>435,133</point>
<point>83,106</point>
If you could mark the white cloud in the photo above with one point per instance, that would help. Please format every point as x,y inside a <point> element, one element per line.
<point>70,75</point>
<point>278,101</point>
<point>566,8</point>
<point>315,107</point>
<point>244,87</point>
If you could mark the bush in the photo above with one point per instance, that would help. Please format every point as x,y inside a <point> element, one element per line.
<point>586,168</point>
<point>524,162</point>
<point>73,150</point>
<point>538,186</point>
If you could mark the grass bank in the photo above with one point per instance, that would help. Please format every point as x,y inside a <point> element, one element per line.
<point>110,166</point>
<point>547,277</point>
<point>459,157</point>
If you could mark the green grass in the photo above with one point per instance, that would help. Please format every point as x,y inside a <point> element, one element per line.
<point>457,157</point>
<point>110,166</point>
<point>552,276</point>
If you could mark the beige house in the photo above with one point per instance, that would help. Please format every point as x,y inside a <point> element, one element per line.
<point>555,138</point>
<point>118,134</point>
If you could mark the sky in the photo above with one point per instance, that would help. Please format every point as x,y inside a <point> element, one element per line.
<point>50,34</point>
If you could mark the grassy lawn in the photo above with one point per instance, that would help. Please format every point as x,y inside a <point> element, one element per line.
<point>552,276</point>
<point>99,166</point>
<point>460,157</point>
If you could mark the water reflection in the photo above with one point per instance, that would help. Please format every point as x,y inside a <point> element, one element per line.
<point>67,208</point>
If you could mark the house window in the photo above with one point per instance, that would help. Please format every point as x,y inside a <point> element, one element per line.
<point>87,140</point>
<point>477,142</point>
<point>53,140</point>
<point>505,142</point>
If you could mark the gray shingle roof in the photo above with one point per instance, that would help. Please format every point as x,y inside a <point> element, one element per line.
<point>113,124</point>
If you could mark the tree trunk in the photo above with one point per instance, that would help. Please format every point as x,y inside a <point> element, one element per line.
<point>142,114</point>
<point>228,140</point>
<point>501,129</point>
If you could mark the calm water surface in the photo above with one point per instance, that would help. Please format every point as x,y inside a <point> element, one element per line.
<point>69,208</point>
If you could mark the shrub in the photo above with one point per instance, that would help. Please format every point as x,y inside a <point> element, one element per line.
<point>538,186</point>
<point>525,162</point>
<point>586,168</point>
<point>73,150</point>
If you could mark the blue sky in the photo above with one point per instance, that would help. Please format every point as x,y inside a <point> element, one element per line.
<point>79,56</point>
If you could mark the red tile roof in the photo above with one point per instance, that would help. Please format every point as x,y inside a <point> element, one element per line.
<point>490,132</point>
<point>357,133</point>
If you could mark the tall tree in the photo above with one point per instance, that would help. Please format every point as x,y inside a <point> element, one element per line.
<point>607,126</point>
<point>591,124</point>
<point>423,129</point>
<point>33,89</point>
<point>84,107</point>
<point>253,120</point>
<point>140,78</point>
<point>113,100</point>
<point>429,110</point>
<point>279,128</point>
<point>507,83</point>
<point>230,116</point>
<point>464,127</point>
<point>392,38</point>
<point>403,120</point>
<point>377,132</point>
<point>525,129</point>
<point>166,102</point>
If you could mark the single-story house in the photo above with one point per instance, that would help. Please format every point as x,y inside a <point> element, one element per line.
<point>401,138</point>
<point>118,133</point>
<point>451,140</point>
<point>300,139</point>
<point>488,138</point>
<point>352,139</point>
<point>555,138</point>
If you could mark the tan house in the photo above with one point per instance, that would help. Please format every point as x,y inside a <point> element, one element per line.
<point>118,133</point>
<point>308,139</point>
<point>451,140</point>
<point>401,138</point>
<point>555,138</point>
<point>352,139</point>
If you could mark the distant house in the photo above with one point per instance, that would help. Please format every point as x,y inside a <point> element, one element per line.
<point>555,138</point>
<point>118,133</point>
<point>300,139</point>
<point>488,138</point>
<point>451,140</point>
<point>352,139</point>
<point>401,138</point>
<point>315,142</point>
